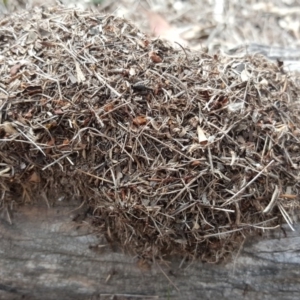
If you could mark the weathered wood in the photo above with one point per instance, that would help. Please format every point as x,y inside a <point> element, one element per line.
<point>289,56</point>
<point>46,255</point>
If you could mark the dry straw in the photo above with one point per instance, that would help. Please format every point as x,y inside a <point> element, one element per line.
<point>175,152</point>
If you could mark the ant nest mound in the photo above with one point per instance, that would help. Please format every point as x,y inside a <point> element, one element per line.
<point>175,152</point>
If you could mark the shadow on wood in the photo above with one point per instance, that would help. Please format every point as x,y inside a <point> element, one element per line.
<point>46,255</point>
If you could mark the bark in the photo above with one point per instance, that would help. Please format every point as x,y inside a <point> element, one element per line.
<point>44,254</point>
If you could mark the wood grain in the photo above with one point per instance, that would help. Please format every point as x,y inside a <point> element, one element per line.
<point>46,255</point>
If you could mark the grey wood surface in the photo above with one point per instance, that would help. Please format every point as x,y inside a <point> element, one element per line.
<point>289,56</point>
<point>46,255</point>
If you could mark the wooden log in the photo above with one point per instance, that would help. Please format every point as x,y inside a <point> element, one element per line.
<point>44,254</point>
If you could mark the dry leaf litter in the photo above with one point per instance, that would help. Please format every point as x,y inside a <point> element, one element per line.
<point>217,23</point>
<point>175,152</point>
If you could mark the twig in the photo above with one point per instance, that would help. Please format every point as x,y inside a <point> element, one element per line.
<point>230,200</point>
<point>171,282</point>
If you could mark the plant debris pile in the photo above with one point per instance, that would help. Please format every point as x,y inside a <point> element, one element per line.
<point>175,152</point>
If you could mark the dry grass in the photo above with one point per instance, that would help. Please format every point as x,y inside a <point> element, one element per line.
<point>175,152</point>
